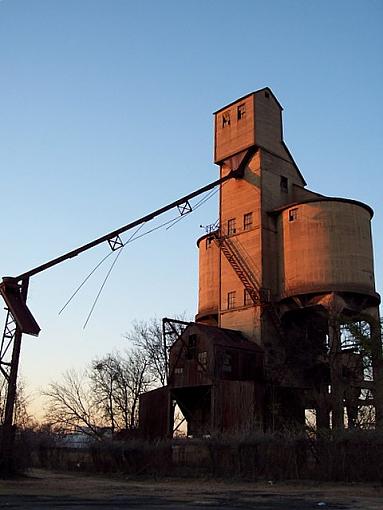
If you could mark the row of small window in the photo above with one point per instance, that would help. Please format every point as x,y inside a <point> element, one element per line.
<point>232,299</point>
<point>247,224</point>
<point>248,221</point>
<point>202,363</point>
<point>227,363</point>
<point>192,353</point>
<point>241,113</point>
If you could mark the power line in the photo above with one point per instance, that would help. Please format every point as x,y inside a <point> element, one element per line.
<point>132,238</point>
<point>102,286</point>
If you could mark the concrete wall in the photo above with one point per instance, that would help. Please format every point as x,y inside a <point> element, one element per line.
<point>208,289</point>
<point>233,134</point>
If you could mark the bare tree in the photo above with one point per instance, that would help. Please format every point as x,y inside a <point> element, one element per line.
<point>106,395</point>
<point>72,406</point>
<point>22,417</point>
<point>117,382</point>
<point>138,381</point>
<point>104,375</point>
<point>358,336</point>
<point>147,336</point>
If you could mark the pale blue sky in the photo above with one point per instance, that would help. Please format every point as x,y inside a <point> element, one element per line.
<point>106,114</point>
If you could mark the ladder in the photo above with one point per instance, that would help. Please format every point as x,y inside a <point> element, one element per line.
<point>235,255</point>
<point>240,266</point>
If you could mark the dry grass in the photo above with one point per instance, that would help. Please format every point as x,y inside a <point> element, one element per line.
<point>349,456</point>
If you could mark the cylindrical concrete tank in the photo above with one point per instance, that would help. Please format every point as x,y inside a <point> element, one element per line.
<point>208,297</point>
<point>326,246</point>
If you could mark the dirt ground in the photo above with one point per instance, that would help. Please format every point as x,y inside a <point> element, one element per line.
<point>50,490</point>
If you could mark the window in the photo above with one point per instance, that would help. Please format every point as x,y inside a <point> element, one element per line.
<point>293,214</point>
<point>227,362</point>
<point>202,361</point>
<point>231,300</point>
<point>231,227</point>
<point>284,184</point>
<point>225,119</point>
<point>267,94</point>
<point>241,111</point>
<point>178,371</point>
<point>247,298</point>
<point>247,221</point>
<point>209,240</point>
<point>192,347</point>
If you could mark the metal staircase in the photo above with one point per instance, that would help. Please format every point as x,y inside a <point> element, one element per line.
<point>236,256</point>
<point>240,266</point>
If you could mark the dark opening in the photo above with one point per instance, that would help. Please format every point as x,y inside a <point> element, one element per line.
<point>293,214</point>
<point>227,362</point>
<point>284,183</point>
<point>226,119</point>
<point>192,347</point>
<point>241,111</point>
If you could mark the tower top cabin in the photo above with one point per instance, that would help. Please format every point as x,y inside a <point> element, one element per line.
<point>254,120</point>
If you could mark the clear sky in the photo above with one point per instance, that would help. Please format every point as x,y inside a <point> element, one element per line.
<point>106,114</point>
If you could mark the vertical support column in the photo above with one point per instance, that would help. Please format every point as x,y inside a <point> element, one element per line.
<point>335,361</point>
<point>165,351</point>
<point>322,411</point>
<point>7,437</point>
<point>170,414</point>
<point>377,367</point>
<point>213,409</point>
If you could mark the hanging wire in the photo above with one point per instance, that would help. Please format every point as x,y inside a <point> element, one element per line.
<point>133,237</point>
<point>102,286</point>
<point>84,282</point>
<point>198,204</point>
<point>155,228</point>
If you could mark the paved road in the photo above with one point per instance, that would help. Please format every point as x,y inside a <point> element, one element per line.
<point>62,491</point>
<point>261,502</point>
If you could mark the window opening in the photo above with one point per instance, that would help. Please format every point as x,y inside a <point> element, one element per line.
<point>247,221</point>
<point>226,119</point>
<point>247,297</point>
<point>293,214</point>
<point>284,184</point>
<point>227,362</point>
<point>202,359</point>
<point>231,227</point>
<point>178,370</point>
<point>241,111</point>
<point>231,300</point>
<point>192,347</point>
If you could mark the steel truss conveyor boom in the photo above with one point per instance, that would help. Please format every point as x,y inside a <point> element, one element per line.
<point>20,320</point>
